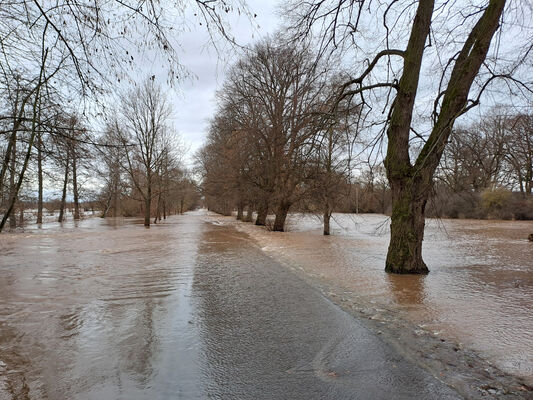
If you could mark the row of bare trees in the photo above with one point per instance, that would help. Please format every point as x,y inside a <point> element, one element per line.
<point>41,144</point>
<point>496,152</point>
<point>486,169</point>
<point>388,51</point>
<point>137,162</point>
<point>141,159</point>
<point>275,142</point>
<point>59,60</point>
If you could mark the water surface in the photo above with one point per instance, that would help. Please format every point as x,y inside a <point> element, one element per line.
<point>183,310</point>
<point>479,291</point>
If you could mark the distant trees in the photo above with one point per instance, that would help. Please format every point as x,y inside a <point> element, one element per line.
<point>139,159</point>
<point>484,160</point>
<point>55,56</point>
<point>145,130</point>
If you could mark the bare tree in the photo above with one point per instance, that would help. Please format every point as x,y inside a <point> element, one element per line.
<point>145,112</point>
<point>275,94</point>
<point>340,23</point>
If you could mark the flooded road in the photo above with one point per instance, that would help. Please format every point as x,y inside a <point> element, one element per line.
<point>479,292</point>
<point>186,309</point>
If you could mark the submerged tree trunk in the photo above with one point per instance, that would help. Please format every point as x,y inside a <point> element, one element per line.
<point>327,216</point>
<point>147,207</point>
<point>40,178</point>
<point>281,216</point>
<point>240,210</point>
<point>158,209</point>
<point>407,230</point>
<point>64,195</point>
<point>115,200</point>
<point>411,184</point>
<point>262,213</point>
<point>106,208</point>
<point>75,187</point>
<point>12,194</point>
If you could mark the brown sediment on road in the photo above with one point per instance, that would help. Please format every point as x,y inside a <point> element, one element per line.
<point>473,334</point>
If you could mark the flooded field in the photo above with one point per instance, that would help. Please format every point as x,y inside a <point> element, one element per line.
<point>187,309</point>
<point>479,292</point>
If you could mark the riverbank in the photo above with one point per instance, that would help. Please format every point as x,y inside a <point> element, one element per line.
<point>468,322</point>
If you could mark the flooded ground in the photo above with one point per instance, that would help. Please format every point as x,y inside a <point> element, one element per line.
<point>106,309</point>
<point>479,292</point>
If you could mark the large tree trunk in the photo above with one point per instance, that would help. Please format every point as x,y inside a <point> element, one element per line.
<point>64,194</point>
<point>158,209</point>
<point>106,208</point>
<point>115,199</point>
<point>240,210</point>
<point>405,249</point>
<point>147,207</point>
<point>407,229</point>
<point>12,194</point>
<point>281,216</point>
<point>75,186</point>
<point>327,216</point>
<point>262,213</point>
<point>40,178</point>
<point>410,184</point>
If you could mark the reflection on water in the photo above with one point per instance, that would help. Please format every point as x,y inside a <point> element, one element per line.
<point>479,291</point>
<point>407,290</point>
<point>88,313</point>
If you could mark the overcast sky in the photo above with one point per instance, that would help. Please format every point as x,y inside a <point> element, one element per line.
<point>194,99</point>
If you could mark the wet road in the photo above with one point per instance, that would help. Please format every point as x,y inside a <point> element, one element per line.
<point>479,292</point>
<point>185,310</point>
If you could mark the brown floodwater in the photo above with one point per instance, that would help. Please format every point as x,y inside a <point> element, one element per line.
<point>106,309</point>
<point>479,291</point>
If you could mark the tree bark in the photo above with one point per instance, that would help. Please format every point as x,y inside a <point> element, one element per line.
<point>147,205</point>
<point>327,216</point>
<point>240,210</point>
<point>158,209</point>
<point>40,178</point>
<point>281,216</point>
<point>411,184</point>
<point>64,195</point>
<point>12,194</point>
<point>262,213</point>
<point>75,186</point>
<point>407,230</point>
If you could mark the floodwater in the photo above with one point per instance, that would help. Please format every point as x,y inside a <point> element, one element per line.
<point>183,310</point>
<point>479,291</point>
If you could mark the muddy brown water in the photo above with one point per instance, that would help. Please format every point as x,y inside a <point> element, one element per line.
<point>479,292</point>
<point>183,310</point>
